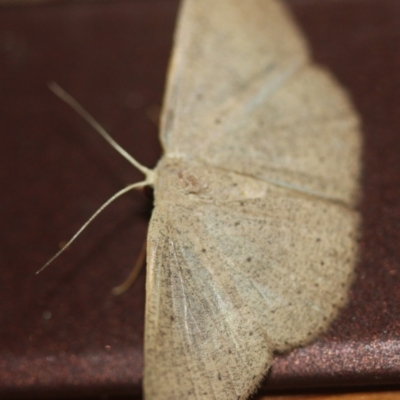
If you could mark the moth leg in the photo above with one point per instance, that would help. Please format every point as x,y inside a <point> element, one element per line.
<point>130,280</point>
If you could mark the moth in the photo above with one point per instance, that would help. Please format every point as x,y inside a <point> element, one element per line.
<point>252,241</point>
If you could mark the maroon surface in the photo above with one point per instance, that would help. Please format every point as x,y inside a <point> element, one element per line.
<point>54,172</point>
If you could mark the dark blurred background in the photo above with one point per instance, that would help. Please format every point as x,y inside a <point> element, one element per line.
<point>62,333</point>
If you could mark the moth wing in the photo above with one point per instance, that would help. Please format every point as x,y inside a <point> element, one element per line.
<point>231,280</point>
<point>201,339</point>
<point>219,48</point>
<point>242,94</point>
<point>290,256</point>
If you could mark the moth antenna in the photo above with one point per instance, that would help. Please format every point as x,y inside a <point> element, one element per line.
<point>63,95</point>
<point>83,227</point>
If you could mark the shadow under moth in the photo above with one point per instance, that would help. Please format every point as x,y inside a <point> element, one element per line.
<point>252,242</point>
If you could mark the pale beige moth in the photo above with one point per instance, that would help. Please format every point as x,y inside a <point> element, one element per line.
<point>253,238</point>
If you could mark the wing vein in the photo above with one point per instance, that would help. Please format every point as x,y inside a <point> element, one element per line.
<point>195,323</point>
